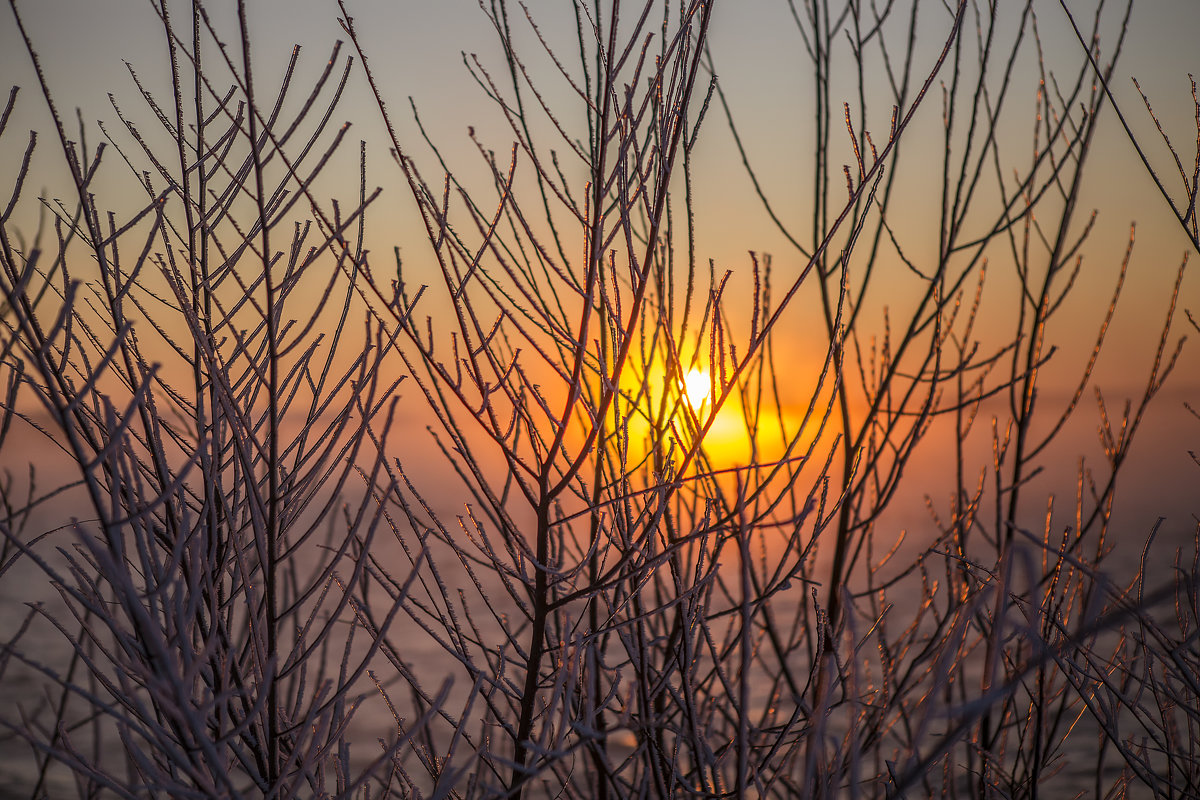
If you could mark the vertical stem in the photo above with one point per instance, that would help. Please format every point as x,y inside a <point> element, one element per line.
<point>541,609</point>
<point>270,588</point>
<point>595,652</point>
<point>746,645</point>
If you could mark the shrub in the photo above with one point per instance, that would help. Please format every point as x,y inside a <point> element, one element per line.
<point>642,548</point>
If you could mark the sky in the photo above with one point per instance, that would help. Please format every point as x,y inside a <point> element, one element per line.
<point>418,48</point>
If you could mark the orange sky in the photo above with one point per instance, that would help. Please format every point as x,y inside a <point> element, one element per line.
<point>417,51</point>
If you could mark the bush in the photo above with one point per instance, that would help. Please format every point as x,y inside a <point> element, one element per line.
<point>642,546</point>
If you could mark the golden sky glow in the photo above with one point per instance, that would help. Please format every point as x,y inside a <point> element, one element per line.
<point>758,65</point>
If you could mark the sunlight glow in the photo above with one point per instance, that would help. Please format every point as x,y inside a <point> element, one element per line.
<point>696,386</point>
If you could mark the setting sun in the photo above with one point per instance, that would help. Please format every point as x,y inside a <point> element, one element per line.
<point>696,386</point>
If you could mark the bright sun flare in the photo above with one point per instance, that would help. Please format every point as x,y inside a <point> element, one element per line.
<point>696,386</point>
